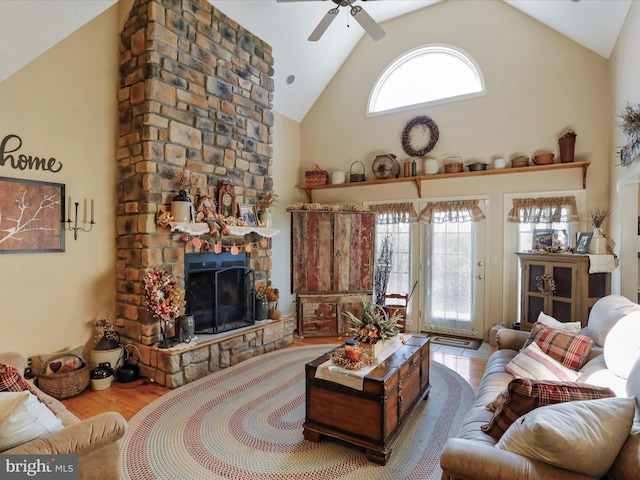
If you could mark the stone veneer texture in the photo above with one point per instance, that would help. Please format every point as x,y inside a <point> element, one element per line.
<point>195,93</point>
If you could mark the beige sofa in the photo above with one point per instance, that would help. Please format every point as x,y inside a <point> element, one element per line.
<point>473,454</point>
<point>94,440</point>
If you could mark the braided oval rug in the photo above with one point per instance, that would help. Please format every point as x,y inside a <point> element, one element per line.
<point>245,423</point>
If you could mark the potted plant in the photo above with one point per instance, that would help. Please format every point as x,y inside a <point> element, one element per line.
<point>262,304</point>
<point>265,204</point>
<point>181,206</point>
<point>598,244</point>
<point>375,328</point>
<point>108,349</point>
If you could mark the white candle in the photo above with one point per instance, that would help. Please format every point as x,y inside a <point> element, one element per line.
<point>92,210</point>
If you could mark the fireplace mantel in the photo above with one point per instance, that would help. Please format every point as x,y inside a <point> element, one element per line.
<point>203,229</point>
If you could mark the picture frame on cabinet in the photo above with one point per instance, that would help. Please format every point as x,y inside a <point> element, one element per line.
<point>248,214</point>
<point>582,242</point>
<point>31,216</point>
<point>542,239</point>
<point>560,240</point>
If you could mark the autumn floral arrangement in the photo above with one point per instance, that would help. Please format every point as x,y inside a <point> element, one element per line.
<point>105,327</point>
<point>375,325</point>
<point>163,295</point>
<point>339,358</point>
<point>269,199</point>
<point>598,216</point>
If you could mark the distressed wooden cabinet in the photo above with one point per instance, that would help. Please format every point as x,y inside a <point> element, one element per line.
<point>576,289</point>
<point>331,267</point>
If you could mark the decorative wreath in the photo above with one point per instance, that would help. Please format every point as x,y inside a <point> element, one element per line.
<point>163,295</point>
<point>546,284</point>
<point>426,123</point>
<point>339,358</point>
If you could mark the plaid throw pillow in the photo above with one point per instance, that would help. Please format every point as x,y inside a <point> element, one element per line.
<point>570,349</point>
<point>523,395</point>
<point>533,363</point>
<point>12,381</point>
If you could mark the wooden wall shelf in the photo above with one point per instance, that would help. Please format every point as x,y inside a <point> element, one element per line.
<point>437,176</point>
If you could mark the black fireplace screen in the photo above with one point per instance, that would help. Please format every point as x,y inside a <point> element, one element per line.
<point>219,291</point>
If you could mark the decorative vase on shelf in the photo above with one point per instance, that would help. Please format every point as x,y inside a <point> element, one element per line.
<point>181,207</point>
<point>265,217</point>
<point>567,148</point>
<point>598,244</point>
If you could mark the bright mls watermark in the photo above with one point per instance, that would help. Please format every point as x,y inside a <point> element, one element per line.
<point>49,467</point>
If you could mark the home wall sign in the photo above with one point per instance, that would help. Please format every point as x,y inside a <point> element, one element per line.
<point>31,216</point>
<point>9,156</point>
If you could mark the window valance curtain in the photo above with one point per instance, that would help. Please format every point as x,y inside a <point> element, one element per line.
<point>390,213</point>
<point>455,211</point>
<point>544,210</point>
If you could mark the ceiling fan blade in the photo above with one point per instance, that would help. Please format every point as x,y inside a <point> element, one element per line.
<point>369,24</point>
<point>323,25</point>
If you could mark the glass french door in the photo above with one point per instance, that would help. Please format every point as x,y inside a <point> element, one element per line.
<point>453,297</point>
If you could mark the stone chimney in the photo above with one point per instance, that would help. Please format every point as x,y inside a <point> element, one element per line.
<point>195,93</point>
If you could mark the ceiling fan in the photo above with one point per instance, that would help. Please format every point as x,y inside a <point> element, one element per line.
<point>363,18</point>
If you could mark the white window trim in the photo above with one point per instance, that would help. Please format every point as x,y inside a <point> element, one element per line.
<point>391,66</point>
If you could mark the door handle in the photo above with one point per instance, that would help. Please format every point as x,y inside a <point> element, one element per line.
<point>481,264</point>
<point>480,277</point>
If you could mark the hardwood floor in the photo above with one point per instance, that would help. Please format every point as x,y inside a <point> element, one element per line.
<point>129,398</point>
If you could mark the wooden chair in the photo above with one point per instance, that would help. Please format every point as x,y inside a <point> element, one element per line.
<point>396,301</point>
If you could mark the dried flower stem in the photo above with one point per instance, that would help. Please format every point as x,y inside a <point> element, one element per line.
<point>598,216</point>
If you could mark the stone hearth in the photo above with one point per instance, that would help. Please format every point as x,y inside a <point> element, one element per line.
<point>209,353</point>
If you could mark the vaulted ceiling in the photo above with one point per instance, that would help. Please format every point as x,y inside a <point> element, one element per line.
<point>303,69</point>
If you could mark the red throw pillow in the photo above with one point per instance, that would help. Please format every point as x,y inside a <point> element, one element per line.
<point>570,349</point>
<point>523,395</point>
<point>12,381</point>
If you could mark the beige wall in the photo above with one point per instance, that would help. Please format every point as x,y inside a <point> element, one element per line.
<point>285,169</point>
<point>63,105</point>
<point>625,78</point>
<point>538,83</point>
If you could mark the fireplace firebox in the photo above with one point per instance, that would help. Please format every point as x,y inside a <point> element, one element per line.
<point>219,291</point>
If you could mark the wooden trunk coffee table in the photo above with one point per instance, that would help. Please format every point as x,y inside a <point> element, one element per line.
<point>374,416</point>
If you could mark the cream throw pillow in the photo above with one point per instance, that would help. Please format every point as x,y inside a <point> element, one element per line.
<point>22,418</point>
<point>584,437</point>
<point>572,327</point>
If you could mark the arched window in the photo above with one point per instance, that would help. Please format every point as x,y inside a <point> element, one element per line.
<point>425,75</point>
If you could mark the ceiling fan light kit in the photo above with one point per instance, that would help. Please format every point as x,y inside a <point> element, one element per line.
<point>369,25</point>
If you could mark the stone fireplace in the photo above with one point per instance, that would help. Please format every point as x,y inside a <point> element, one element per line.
<point>195,94</point>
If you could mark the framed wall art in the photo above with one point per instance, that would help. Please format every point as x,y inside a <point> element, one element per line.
<point>248,214</point>
<point>582,243</point>
<point>31,216</point>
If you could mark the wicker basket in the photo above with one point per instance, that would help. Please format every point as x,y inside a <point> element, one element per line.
<point>64,385</point>
<point>316,176</point>
<point>453,164</point>
<point>543,159</point>
<point>520,162</point>
<point>356,177</point>
<point>453,167</point>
